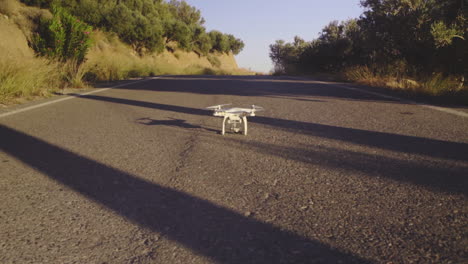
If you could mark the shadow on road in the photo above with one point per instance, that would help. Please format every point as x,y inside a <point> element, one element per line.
<point>451,180</point>
<point>438,176</point>
<point>208,229</point>
<point>253,86</point>
<point>382,140</point>
<point>387,141</point>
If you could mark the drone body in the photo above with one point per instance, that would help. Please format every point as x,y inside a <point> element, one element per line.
<point>234,116</point>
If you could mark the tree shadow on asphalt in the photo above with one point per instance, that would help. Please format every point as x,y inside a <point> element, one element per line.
<point>387,141</point>
<point>295,98</point>
<point>438,176</point>
<point>206,228</point>
<point>250,86</point>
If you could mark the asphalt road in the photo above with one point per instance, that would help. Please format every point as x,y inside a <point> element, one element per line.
<point>140,174</point>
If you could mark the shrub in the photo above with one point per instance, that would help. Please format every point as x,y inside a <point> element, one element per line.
<point>358,73</point>
<point>64,37</point>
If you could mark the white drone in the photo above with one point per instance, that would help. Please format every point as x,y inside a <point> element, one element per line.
<point>234,116</point>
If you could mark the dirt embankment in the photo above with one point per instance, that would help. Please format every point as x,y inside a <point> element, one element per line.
<point>25,76</point>
<point>110,57</point>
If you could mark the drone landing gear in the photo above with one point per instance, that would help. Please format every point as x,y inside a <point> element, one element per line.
<point>234,123</point>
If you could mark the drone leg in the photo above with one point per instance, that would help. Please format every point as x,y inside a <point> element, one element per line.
<point>224,125</point>
<point>244,120</point>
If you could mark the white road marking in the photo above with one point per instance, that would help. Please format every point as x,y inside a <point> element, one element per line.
<point>69,98</point>
<point>433,107</point>
<point>443,109</point>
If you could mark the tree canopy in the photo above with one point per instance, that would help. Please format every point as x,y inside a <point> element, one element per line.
<point>150,25</point>
<point>422,35</point>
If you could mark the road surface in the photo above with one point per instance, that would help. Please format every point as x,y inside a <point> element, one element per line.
<point>140,174</point>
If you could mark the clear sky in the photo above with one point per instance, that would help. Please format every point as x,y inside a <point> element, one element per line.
<point>260,23</point>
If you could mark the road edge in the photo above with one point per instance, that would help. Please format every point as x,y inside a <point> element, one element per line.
<point>24,109</point>
<point>396,98</point>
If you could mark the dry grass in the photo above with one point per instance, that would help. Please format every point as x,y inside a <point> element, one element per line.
<point>214,61</point>
<point>27,78</point>
<point>435,85</point>
<point>73,75</point>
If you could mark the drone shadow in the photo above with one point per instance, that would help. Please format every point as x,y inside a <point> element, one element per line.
<point>172,122</point>
<point>221,234</point>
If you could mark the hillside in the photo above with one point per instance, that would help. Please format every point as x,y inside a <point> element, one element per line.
<point>26,71</point>
<point>110,59</point>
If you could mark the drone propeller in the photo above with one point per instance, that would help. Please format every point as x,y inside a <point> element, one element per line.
<point>214,107</point>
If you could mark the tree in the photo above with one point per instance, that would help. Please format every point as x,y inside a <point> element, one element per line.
<point>186,13</point>
<point>286,56</point>
<point>220,41</point>
<point>179,32</point>
<point>235,45</point>
<point>201,41</point>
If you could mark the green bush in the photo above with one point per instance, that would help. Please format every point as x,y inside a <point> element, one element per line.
<point>64,37</point>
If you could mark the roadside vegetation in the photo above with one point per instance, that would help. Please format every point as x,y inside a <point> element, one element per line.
<point>419,46</point>
<point>48,45</point>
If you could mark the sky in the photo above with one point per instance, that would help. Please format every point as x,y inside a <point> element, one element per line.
<point>260,23</point>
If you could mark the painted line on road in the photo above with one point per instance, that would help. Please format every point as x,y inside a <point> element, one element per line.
<point>433,107</point>
<point>69,98</point>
